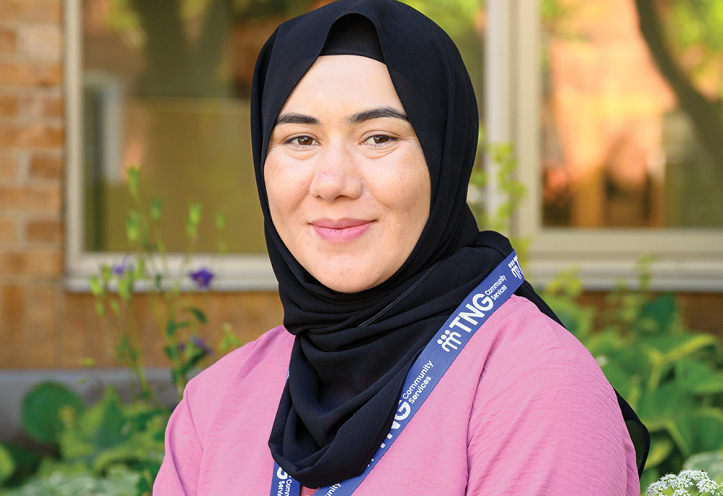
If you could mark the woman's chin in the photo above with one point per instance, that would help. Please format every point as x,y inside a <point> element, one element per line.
<point>343,280</point>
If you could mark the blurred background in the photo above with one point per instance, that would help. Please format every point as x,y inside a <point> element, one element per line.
<point>602,157</point>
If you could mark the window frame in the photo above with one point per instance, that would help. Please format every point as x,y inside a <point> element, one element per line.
<point>234,272</point>
<point>684,259</point>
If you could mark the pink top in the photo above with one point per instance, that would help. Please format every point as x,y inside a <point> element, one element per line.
<point>523,410</point>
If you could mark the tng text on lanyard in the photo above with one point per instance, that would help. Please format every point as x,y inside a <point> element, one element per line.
<point>438,355</point>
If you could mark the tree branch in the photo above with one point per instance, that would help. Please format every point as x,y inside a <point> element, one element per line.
<point>166,47</point>
<point>707,116</point>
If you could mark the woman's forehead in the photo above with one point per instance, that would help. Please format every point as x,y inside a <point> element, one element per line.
<point>349,81</point>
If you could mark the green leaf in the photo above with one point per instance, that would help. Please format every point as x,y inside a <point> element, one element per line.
<point>660,447</point>
<point>220,221</point>
<point>47,409</point>
<point>662,404</point>
<point>134,178</point>
<point>100,309</point>
<point>707,426</point>
<point>26,464</point>
<point>115,307</point>
<point>198,314</point>
<point>100,427</point>
<point>194,219</point>
<point>576,318</point>
<point>229,340</point>
<point>710,461</point>
<point>675,347</point>
<point>107,273</point>
<point>125,286</point>
<point>156,209</point>
<point>132,230</point>
<point>172,327</point>
<point>662,310</point>
<point>95,286</point>
<point>7,464</point>
<point>698,377</point>
<point>140,268</point>
<point>626,384</point>
<point>194,212</point>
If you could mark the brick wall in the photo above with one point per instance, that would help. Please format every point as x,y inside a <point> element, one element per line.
<point>42,325</point>
<point>31,158</point>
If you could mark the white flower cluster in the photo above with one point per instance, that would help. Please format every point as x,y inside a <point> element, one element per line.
<point>681,482</point>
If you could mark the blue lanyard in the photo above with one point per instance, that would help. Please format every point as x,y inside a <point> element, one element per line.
<point>428,369</point>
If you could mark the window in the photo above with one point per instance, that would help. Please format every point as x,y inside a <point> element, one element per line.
<point>165,86</point>
<point>620,157</point>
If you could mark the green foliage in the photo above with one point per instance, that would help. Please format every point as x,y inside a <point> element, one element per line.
<point>177,313</point>
<point>7,464</point>
<point>670,375</point>
<point>695,23</point>
<point>47,409</point>
<point>107,447</point>
<point>112,448</point>
<point>119,481</point>
<point>504,160</point>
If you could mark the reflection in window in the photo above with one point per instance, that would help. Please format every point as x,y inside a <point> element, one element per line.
<point>632,128</point>
<point>166,88</point>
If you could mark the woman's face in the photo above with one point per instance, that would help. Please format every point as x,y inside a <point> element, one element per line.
<point>348,186</point>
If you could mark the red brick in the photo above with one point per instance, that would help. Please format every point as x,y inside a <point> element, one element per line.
<point>46,168</point>
<point>44,231</point>
<point>77,313</point>
<point>8,105</point>
<point>31,10</point>
<point>32,263</point>
<point>7,41</point>
<point>8,231</point>
<point>42,41</point>
<point>8,167</point>
<point>30,198</point>
<point>40,106</point>
<point>30,74</point>
<point>23,136</point>
<point>12,315</point>
<point>41,318</point>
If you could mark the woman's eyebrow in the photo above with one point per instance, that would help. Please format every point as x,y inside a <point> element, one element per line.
<point>376,113</point>
<point>293,118</point>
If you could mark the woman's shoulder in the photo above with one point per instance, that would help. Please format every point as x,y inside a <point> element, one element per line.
<point>264,360</point>
<point>525,337</point>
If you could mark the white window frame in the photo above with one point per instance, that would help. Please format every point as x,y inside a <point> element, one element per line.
<point>242,272</point>
<point>684,259</point>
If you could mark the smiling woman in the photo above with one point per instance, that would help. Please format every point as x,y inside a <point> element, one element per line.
<point>405,364</point>
<point>348,186</point>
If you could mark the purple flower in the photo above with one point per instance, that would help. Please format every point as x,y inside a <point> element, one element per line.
<point>198,343</point>
<point>201,344</point>
<point>122,267</point>
<point>202,277</point>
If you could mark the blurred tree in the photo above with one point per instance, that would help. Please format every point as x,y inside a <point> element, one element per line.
<point>186,62</point>
<point>673,30</point>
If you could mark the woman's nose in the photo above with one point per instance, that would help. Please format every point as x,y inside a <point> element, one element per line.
<point>336,175</point>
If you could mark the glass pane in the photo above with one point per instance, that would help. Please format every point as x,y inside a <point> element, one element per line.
<point>166,88</point>
<point>632,128</point>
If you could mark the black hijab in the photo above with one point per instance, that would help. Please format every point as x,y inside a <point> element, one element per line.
<point>352,351</point>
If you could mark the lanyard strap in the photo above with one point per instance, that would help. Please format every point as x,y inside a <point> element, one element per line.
<point>428,369</point>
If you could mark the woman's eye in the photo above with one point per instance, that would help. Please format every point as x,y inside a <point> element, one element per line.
<point>379,139</point>
<point>303,141</point>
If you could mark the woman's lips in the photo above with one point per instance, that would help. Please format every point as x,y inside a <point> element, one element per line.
<point>341,230</point>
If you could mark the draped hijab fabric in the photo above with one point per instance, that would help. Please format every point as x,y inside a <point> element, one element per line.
<point>352,351</point>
